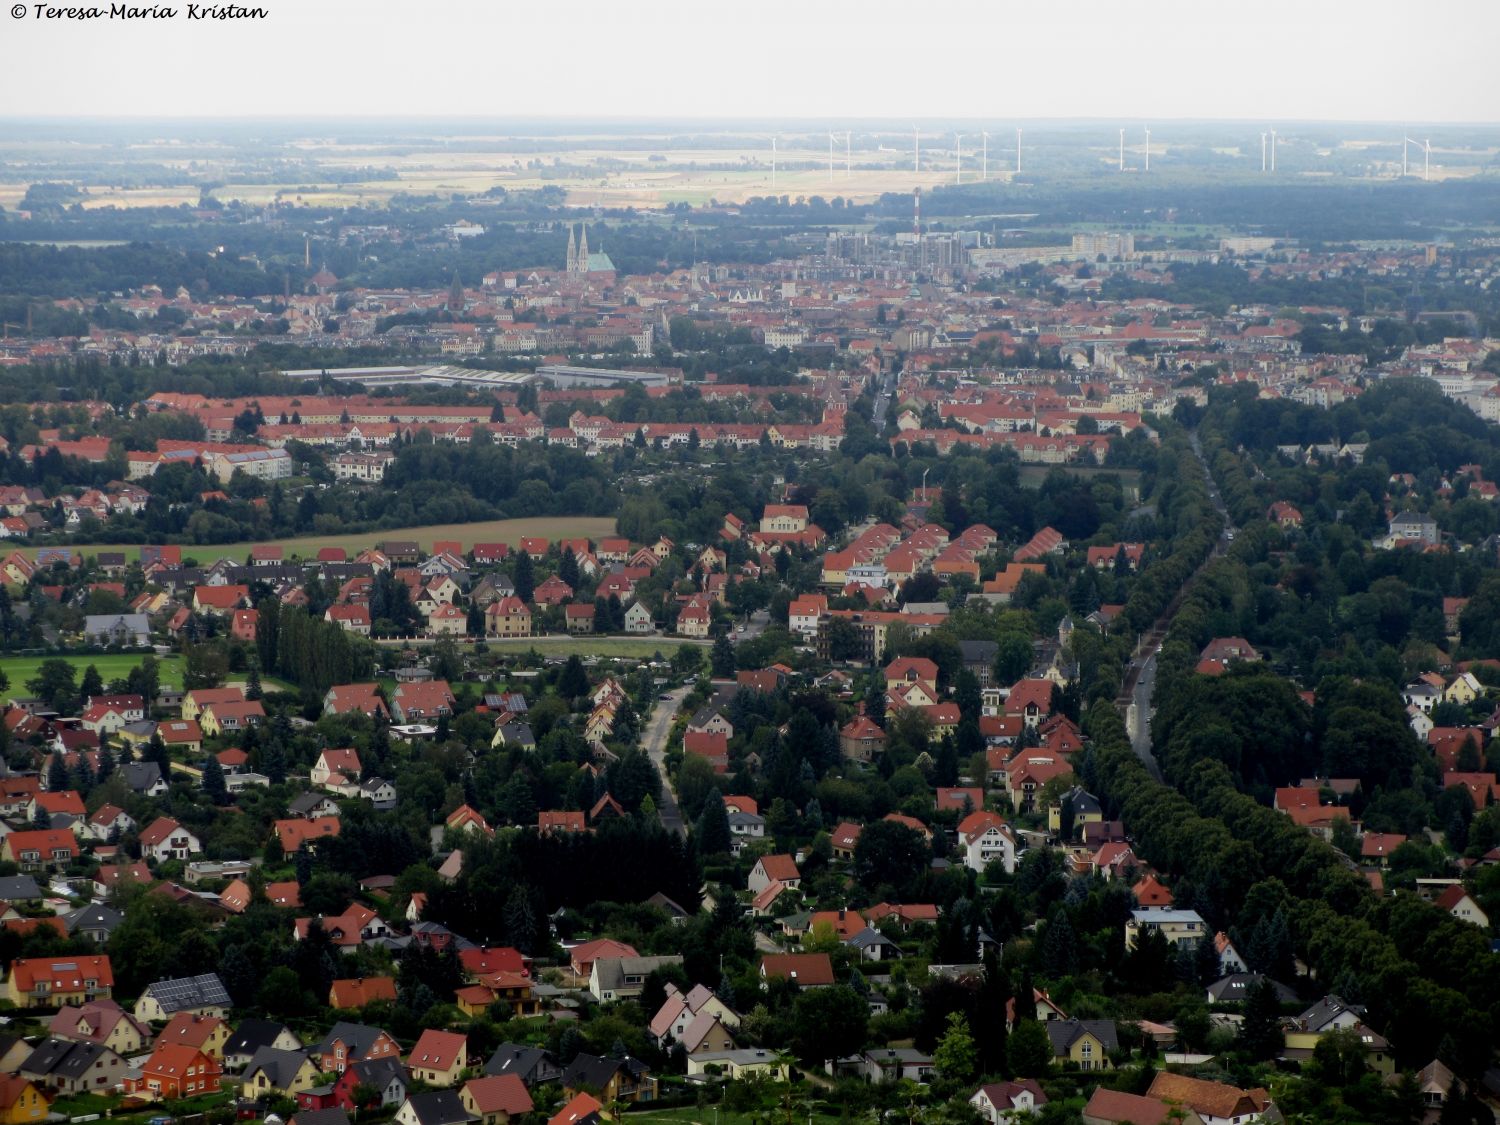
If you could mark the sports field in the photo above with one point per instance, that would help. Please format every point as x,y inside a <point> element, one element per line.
<point>490,531</point>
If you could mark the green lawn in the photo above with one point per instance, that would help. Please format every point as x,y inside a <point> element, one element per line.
<point>307,546</point>
<point>115,666</point>
<point>112,666</point>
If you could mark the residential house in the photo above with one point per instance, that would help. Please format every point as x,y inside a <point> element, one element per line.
<point>20,1102</point>
<point>165,839</point>
<point>102,1022</point>
<point>438,1057</point>
<point>496,1098</point>
<point>74,1068</point>
<point>436,1107</point>
<point>1002,1102</point>
<point>624,978</point>
<point>1083,1044</point>
<point>202,995</point>
<point>272,1070</point>
<point>50,982</point>
<point>624,1081</point>
<point>175,1072</point>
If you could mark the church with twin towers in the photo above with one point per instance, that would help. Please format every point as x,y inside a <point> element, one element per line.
<point>580,261</point>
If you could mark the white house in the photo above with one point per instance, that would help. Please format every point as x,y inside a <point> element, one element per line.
<point>984,837</point>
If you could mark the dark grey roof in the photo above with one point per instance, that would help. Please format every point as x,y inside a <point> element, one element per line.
<point>59,1058</point>
<point>280,1066</point>
<point>517,734</point>
<point>140,776</point>
<point>253,1034</point>
<point>334,1116</point>
<point>979,652</point>
<point>439,1107</point>
<point>1064,1033</point>
<point>532,1064</point>
<point>1235,988</point>
<point>358,1037</point>
<point>595,1072</point>
<point>95,916</point>
<point>189,992</point>
<point>379,1073</point>
<point>1325,1011</point>
<point>19,888</point>
<point>304,803</point>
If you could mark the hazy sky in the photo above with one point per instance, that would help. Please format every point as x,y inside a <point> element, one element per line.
<point>1263,60</point>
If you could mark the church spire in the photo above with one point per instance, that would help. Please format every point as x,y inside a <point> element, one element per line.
<point>583,250</point>
<point>572,251</point>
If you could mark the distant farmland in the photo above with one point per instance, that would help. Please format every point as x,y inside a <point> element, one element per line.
<point>307,546</point>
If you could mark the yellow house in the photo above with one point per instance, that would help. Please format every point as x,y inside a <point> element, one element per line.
<point>738,1064</point>
<point>1086,810</point>
<point>272,1070</point>
<point>20,1101</point>
<point>1084,1044</point>
<point>1463,690</point>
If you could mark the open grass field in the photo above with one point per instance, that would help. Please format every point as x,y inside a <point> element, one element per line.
<point>114,666</point>
<point>490,531</point>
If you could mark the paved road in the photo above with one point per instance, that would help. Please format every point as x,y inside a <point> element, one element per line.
<point>1143,665</point>
<point>654,740</point>
<point>751,628</point>
<point>882,401</point>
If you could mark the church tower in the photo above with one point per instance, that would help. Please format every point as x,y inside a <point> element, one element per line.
<point>583,250</point>
<point>572,252</point>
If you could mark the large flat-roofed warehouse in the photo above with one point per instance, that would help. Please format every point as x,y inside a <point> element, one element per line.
<point>437,375</point>
<point>562,375</point>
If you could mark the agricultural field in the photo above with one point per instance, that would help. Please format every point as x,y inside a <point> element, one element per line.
<point>307,546</point>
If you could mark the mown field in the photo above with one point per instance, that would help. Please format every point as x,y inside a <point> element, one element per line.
<point>307,546</point>
<point>112,666</point>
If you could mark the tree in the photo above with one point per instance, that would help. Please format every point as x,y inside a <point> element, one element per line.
<point>56,683</point>
<point>573,681</point>
<point>567,569</point>
<point>213,781</point>
<point>711,835</point>
<point>1029,1050</point>
<point>252,682</point>
<point>524,579</point>
<point>956,1057</point>
<point>1260,1034</point>
<point>830,1023</point>
<point>891,854</point>
<point>92,683</point>
<point>721,659</point>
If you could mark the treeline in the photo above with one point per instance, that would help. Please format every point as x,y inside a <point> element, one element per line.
<point>307,650</point>
<point>1428,980</point>
<point>509,885</point>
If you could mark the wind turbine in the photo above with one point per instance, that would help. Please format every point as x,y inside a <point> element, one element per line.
<point>1018,150</point>
<point>1122,150</point>
<point>1273,150</point>
<point>960,142</point>
<point>1148,148</point>
<point>1405,140</point>
<point>1262,152</point>
<point>984,160</point>
<point>1426,158</point>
